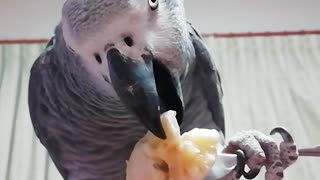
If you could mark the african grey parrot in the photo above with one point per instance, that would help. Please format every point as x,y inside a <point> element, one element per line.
<point>111,69</point>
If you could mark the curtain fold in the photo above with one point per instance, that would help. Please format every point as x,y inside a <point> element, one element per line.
<point>267,82</point>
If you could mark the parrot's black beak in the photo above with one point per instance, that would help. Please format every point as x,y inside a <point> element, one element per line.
<point>147,88</point>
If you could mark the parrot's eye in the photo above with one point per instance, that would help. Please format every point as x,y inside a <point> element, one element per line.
<point>153,4</point>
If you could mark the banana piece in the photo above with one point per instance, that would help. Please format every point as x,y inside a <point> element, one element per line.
<point>179,157</point>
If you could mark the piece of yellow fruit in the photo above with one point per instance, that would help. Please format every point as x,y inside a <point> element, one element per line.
<point>180,157</point>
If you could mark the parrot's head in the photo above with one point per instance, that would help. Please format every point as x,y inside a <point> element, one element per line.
<point>137,48</point>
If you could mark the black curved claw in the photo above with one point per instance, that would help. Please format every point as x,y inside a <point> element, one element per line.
<point>286,136</point>
<point>241,162</point>
<point>251,174</point>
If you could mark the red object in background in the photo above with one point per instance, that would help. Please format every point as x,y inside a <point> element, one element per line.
<point>24,41</point>
<point>262,34</point>
<point>215,35</point>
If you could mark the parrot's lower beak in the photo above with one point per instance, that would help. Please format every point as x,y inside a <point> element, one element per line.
<point>147,88</point>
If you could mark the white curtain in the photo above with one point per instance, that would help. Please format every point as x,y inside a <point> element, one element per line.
<point>267,82</point>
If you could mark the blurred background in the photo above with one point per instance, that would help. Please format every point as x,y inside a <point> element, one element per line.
<point>269,79</point>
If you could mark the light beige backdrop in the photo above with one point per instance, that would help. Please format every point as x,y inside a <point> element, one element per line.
<point>267,81</point>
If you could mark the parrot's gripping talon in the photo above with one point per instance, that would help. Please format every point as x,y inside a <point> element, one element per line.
<point>241,162</point>
<point>255,150</point>
<point>253,173</point>
<point>288,150</point>
<point>286,136</point>
<point>240,169</point>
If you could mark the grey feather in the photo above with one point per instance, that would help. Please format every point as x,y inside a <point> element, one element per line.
<point>38,110</point>
<point>84,130</point>
<point>208,79</point>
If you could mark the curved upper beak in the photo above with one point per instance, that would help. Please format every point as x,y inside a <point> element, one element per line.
<point>147,88</point>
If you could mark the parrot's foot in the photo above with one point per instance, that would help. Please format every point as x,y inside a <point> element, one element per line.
<point>262,150</point>
<point>288,149</point>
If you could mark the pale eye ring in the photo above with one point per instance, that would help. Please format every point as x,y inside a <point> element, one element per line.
<point>153,4</point>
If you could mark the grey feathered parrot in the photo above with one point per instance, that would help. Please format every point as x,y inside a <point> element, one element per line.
<point>111,69</point>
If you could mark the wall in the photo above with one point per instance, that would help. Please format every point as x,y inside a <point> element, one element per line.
<point>37,18</point>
